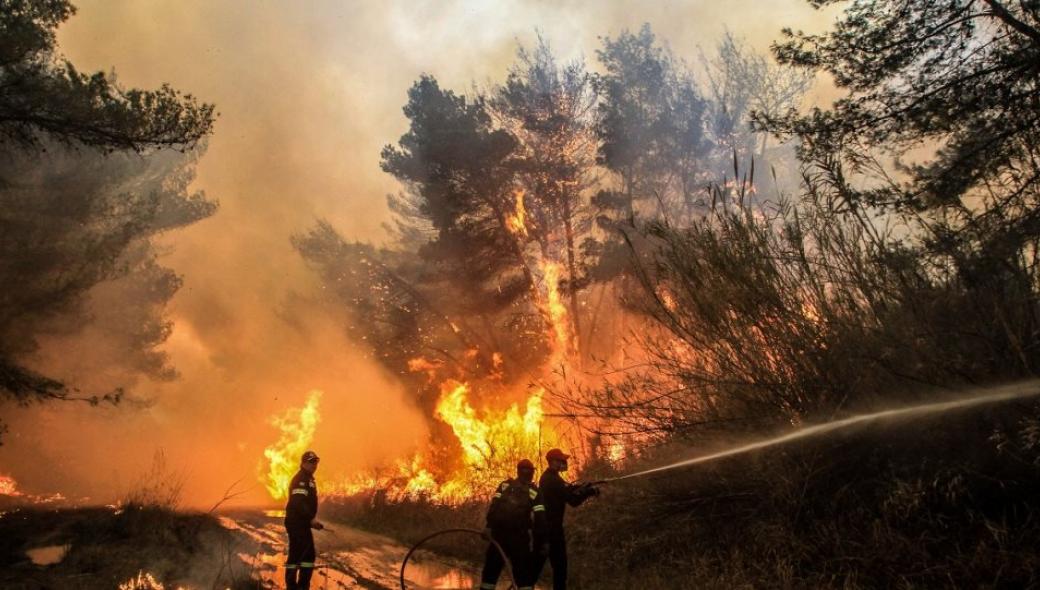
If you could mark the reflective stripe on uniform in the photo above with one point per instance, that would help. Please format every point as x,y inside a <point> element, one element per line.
<point>290,566</point>
<point>526,588</point>
<point>300,491</point>
<point>538,508</point>
<point>498,495</point>
<point>533,492</point>
<point>306,564</point>
<point>486,586</point>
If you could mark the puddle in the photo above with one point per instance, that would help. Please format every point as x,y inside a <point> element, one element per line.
<point>436,576</point>
<point>48,555</point>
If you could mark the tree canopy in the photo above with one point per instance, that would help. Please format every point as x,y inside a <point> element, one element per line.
<point>962,76</point>
<point>90,172</point>
<point>42,94</point>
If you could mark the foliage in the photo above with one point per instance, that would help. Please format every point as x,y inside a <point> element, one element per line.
<point>652,132</point>
<point>44,95</point>
<point>767,316</point>
<point>743,83</point>
<point>458,175</point>
<point>91,172</point>
<point>72,220</point>
<point>959,77</point>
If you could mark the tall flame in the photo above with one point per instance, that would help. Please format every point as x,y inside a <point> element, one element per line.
<point>556,310</point>
<point>517,221</point>
<point>297,428</point>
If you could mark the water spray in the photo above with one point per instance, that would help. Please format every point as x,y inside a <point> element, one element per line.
<point>987,396</point>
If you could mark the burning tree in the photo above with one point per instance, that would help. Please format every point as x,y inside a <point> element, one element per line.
<point>513,213</point>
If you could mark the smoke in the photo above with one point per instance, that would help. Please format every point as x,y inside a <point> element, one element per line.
<point>308,95</point>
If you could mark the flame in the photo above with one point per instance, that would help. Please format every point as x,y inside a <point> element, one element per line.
<point>8,486</point>
<point>424,365</point>
<point>667,299</point>
<point>492,441</point>
<point>143,581</point>
<point>517,221</point>
<point>489,440</point>
<point>297,431</point>
<point>556,311</point>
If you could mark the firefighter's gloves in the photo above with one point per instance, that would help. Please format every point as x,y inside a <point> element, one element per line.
<point>589,491</point>
<point>317,525</point>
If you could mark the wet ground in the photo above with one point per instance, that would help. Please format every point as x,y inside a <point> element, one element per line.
<point>347,557</point>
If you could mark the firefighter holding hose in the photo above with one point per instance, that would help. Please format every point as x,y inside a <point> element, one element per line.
<point>300,513</point>
<point>515,512</point>
<point>556,494</point>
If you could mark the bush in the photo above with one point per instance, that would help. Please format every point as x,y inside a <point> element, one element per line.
<point>948,501</point>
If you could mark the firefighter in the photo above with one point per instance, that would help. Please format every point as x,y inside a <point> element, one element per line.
<point>300,513</point>
<point>556,494</point>
<point>515,510</point>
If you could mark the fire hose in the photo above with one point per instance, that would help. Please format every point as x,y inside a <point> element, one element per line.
<point>505,558</point>
<point>482,535</point>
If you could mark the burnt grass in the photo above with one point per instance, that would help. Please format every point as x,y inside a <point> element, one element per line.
<point>107,548</point>
<point>949,501</point>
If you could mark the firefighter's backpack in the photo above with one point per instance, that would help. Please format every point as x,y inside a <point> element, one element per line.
<point>513,508</point>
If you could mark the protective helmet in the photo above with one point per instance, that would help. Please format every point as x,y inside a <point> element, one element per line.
<point>556,454</point>
<point>524,464</point>
<point>309,457</point>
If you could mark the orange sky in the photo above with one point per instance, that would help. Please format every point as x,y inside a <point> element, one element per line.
<point>308,93</point>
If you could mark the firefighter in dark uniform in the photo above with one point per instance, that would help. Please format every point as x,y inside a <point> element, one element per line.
<point>515,512</point>
<point>556,494</point>
<point>300,513</point>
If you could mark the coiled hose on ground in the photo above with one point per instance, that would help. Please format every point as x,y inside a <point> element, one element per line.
<point>415,547</point>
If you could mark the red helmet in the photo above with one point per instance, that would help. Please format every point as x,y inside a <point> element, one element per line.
<point>556,454</point>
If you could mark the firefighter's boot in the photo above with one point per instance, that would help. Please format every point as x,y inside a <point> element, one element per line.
<point>305,577</point>
<point>291,572</point>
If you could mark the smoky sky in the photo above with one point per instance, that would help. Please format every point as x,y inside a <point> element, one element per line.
<point>308,93</point>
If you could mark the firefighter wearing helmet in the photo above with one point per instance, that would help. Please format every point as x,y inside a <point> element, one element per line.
<point>556,495</point>
<point>516,511</point>
<point>300,513</point>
